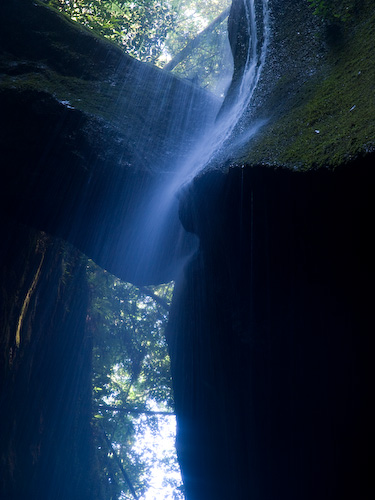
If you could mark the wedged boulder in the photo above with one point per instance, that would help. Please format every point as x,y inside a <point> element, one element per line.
<point>87,132</point>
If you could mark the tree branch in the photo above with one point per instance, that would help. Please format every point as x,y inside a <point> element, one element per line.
<point>162,302</point>
<point>196,41</point>
<point>121,467</point>
<point>134,411</point>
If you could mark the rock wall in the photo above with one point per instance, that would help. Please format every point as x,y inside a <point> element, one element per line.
<point>270,336</point>
<point>270,332</point>
<point>316,91</point>
<point>46,447</point>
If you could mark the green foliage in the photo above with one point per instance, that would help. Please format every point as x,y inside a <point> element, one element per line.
<point>204,64</point>
<point>333,10</point>
<point>131,378</point>
<point>156,30</point>
<point>140,26</point>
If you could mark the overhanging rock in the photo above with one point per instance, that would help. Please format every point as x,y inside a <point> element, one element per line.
<point>87,132</point>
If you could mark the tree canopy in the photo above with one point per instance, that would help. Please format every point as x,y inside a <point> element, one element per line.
<point>132,391</point>
<point>140,26</point>
<point>155,31</point>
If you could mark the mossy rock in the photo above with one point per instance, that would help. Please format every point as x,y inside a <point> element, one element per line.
<point>43,52</point>
<point>322,113</point>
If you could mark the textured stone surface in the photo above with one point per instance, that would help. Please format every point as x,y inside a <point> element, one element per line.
<point>316,91</point>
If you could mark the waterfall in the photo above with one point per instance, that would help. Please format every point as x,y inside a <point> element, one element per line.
<point>218,140</point>
<point>157,238</point>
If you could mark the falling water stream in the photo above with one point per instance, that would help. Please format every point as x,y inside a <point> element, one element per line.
<point>158,218</point>
<point>156,226</point>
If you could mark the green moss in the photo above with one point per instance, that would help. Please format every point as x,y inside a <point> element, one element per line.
<point>92,97</point>
<point>333,9</point>
<point>332,118</point>
<point>50,53</point>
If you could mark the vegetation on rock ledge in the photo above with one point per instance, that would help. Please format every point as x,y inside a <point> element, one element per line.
<point>333,10</point>
<point>331,118</point>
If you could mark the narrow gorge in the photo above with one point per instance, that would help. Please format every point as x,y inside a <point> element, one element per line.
<point>258,205</point>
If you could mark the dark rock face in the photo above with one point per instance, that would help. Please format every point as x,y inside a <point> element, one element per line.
<point>46,445</point>
<point>238,34</point>
<point>271,327</point>
<point>271,338</point>
<point>295,51</point>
